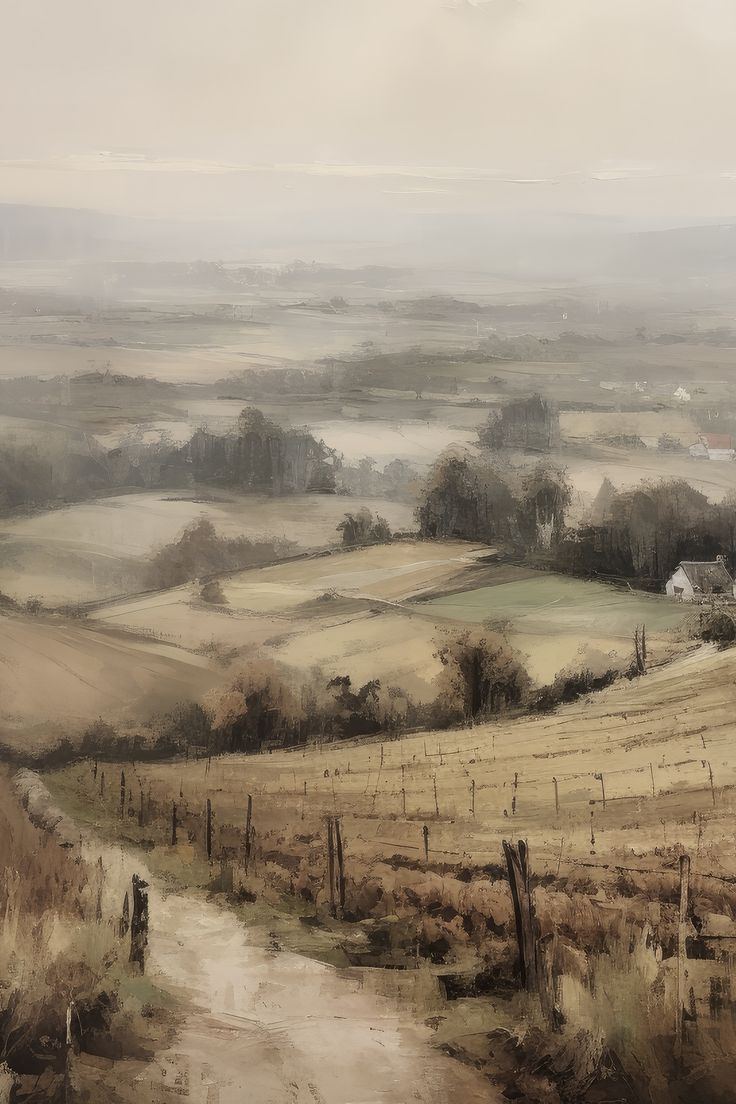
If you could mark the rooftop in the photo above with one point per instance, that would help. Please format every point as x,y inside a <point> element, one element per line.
<point>707,575</point>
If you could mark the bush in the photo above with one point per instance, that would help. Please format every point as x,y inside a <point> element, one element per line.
<point>718,627</point>
<point>200,551</point>
<point>482,675</point>
<point>364,528</point>
<point>213,593</point>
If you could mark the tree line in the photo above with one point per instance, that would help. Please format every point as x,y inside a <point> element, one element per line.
<point>638,534</point>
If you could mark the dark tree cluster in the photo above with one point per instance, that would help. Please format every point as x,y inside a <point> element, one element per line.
<point>199,551</point>
<point>643,533</point>
<point>638,534</point>
<point>467,498</point>
<point>531,424</point>
<point>262,456</point>
<point>364,528</point>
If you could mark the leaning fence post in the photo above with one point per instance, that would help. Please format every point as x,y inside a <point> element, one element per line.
<point>331,864</point>
<point>125,917</point>
<point>603,788</point>
<point>68,1054</point>
<point>122,794</point>
<point>248,818</point>
<point>517,862</point>
<point>682,951</point>
<point>340,866</point>
<point>139,923</point>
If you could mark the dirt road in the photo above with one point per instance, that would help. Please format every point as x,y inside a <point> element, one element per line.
<point>268,1026</point>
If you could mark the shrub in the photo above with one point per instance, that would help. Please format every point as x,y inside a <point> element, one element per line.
<point>718,627</point>
<point>482,675</point>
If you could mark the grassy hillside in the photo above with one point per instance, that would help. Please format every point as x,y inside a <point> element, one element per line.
<point>608,793</point>
<point>96,549</point>
<point>655,740</point>
<point>56,677</point>
<point>380,612</point>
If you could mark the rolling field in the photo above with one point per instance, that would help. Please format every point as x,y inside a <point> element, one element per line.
<point>96,549</point>
<point>641,767</point>
<point>381,613</point>
<point>57,677</point>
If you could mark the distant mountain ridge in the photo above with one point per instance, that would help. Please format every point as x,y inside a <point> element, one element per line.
<point>563,246</point>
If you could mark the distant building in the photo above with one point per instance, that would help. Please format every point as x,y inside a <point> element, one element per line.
<point>692,580</point>
<point>713,446</point>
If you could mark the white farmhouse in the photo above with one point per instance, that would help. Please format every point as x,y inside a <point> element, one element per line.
<point>713,446</point>
<point>692,580</point>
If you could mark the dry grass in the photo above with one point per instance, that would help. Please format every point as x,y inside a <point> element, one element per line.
<point>605,876</point>
<point>59,949</point>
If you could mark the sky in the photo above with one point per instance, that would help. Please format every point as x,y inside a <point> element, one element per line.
<point>387,108</point>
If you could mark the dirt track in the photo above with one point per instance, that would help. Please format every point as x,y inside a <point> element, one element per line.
<point>265,1025</point>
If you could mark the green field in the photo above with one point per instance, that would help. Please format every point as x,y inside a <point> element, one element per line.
<point>545,602</point>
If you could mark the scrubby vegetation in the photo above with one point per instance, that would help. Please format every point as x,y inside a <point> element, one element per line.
<point>364,528</point>
<point>199,551</point>
<point>60,952</point>
<point>718,627</point>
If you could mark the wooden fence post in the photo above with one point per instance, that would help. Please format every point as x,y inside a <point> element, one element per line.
<point>208,830</point>
<point>68,1055</point>
<point>425,833</point>
<point>125,917</point>
<point>340,867</point>
<point>472,796</point>
<point>331,864</point>
<point>517,862</point>
<point>100,883</point>
<point>102,784</point>
<point>603,788</point>
<point>122,794</point>
<point>248,819</point>
<point>436,803</point>
<point>174,824</point>
<point>682,951</point>
<point>139,923</point>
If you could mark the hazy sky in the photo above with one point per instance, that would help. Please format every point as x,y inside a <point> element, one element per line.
<point>222,107</point>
